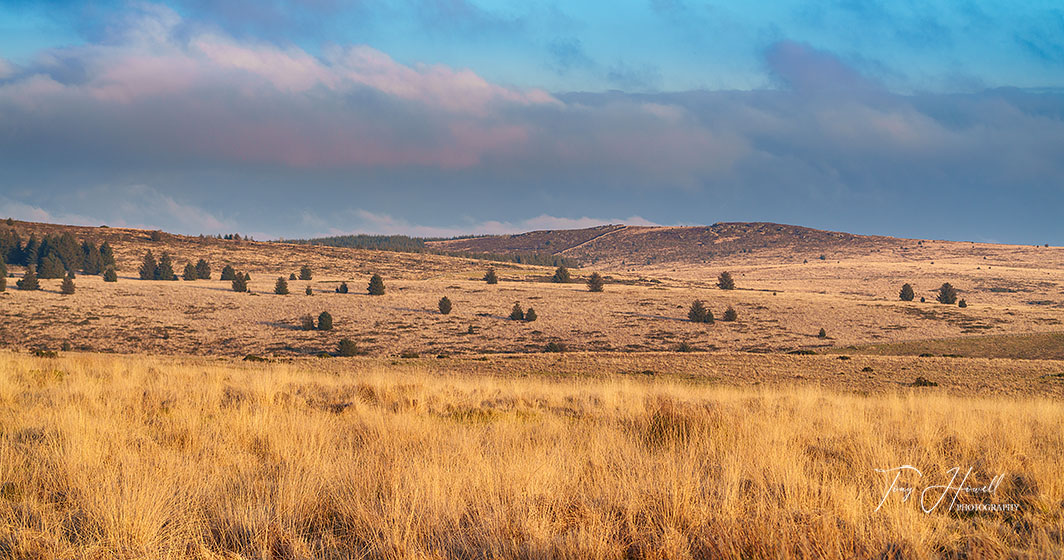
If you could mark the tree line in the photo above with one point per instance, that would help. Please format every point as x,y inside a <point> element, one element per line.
<point>56,255</point>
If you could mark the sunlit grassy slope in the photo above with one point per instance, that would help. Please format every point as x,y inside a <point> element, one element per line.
<point>119,457</point>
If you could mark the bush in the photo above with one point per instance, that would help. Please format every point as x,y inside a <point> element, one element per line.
<point>595,282</point>
<point>822,334</point>
<point>376,285</point>
<point>907,293</point>
<point>110,275</point>
<point>555,347</point>
<point>228,273</point>
<point>305,273</point>
<point>240,283</point>
<point>962,303</point>
<point>29,281</point>
<point>530,315</point>
<point>445,305</point>
<point>292,276</point>
<point>947,294</point>
<point>342,288</point>
<point>685,347</point>
<point>67,287</point>
<point>306,322</point>
<point>517,314</point>
<point>190,272</point>
<point>325,322</point>
<point>310,291</point>
<point>490,277</point>
<point>148,266</point>
<point>725,281</point>
<point>281,287</point>
<point>730,314</point>
<point>347,348</point>
<point>156,236</point>
<point>203,270</point>
<point>561,276</point>
<point>699,313</point>
<point>923,299</point>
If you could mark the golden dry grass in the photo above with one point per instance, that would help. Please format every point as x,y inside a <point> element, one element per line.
<point>127,457</point>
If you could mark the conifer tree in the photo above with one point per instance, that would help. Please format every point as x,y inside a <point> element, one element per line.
<point>342,288</point>
<point>947,294</point>
<point>725,281</point>
<point>203,270</point>
<point>148,266</point>
<point>92,260</point>
<point>325,321</point>
<point>730,314</point>
<point>240,283</point>
<point>3,275</point>
<point>310,291</point>
<point>490,277</point>
<point>109,275</point>
<point>51,267</point>
<point>305,273</point>
<point>530,315</point>
<point>29,281</point>
<point>228,273</point>
<point>517,314</point>
<point>595,282</point>
<point>907,293</point>
<point>165,271</point>
<point>107,256</point>
<point>699,313</point>
<point>67,287</point>
<point>376,285</point>
<point>190,273</point>
<point>561,276</point>
<point>281,287</point>
<point>445,305</point>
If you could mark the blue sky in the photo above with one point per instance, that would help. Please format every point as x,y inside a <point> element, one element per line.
<point>441,117</point>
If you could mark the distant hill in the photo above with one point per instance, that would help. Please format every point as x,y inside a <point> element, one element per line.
<point>639,245</point>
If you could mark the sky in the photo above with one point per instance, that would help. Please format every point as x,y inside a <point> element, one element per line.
<point>302,118</point>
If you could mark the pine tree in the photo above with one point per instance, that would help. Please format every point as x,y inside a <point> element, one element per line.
<point>907,293</point>
<point>947,294</point>
<point>240,283</point>
<point>490,277</point>
<point>29,281</point>
<point>30,251</point>
<point>822,334</point>
<point>203,270</point>
<point>228,273</point>
<point>3,275</point>
<point>67,287</point>
<point>109,275</point>
<point>281,287</point>
<point>305,273</point>
<point>293,276</point>
<point>376,285</point>
<point>165,271</point>
<point>517,314</point>
<point>190,273</point>
<point>530,315</point>
<point>310,291</point>
<point>92,260</point>
<point>725,281</point>
<point>962,303</point>
<point>445,305</point>
<point>148,266</point>
<point>342,288</point>
<point>107,256</point>
<point>561,276</point>
<point>595,282</point>
<point>699,313</point>
<point>325,321</point>
<point>307,322</point>
<point>51,267</point>
<point>730,314</point>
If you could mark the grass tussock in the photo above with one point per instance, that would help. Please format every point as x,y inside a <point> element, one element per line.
<point>113,457</point>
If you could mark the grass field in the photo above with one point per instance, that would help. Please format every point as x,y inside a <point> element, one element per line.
<point>138,457</point>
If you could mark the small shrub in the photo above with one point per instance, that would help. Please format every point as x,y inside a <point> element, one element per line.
<point>444,305</point>
<point>725,281</point>
<point>156,236</point>
<point>342,288</point>
<point>595,282</point>
<point>29,281</point>
<point>530,315</point>
<point>561,276</point>
<point>190,273</point>
<point>907,293</point>
<point>730,314</point>
<point>947,294</point>
<point>517,314</point>
<point>923,299</point>
<point>347,348</point>
<point>310,291</point>
<point>470,330</point>
<point>490,277</point>
<point>67,288</point>
<point>228,273</point>
<point>923,382</point>
<point>281,287</point>
<point>962,303</point>
<point>110,275</point>
<point>305,273</point>
<point>376,285</point>
<point>685,347</point>
<point>254,358</point>
<point>306,322</point>
<point>822,334</point>
<point>409,355</point>
<point>42,353</point>
<point>867,369</point>
<point>66,346</point>
<point>325,321</point>
<point>555,347</point>
<point>292,276</point>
